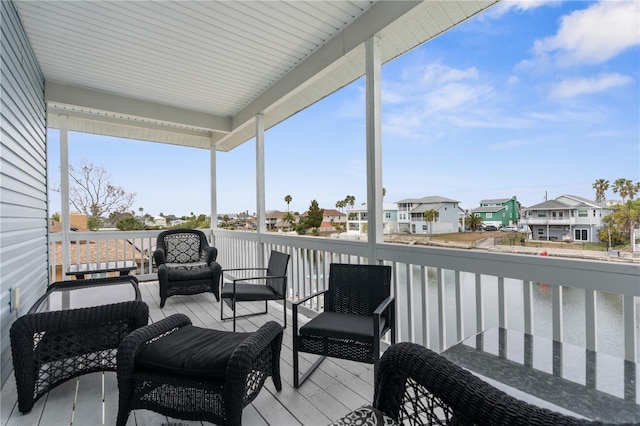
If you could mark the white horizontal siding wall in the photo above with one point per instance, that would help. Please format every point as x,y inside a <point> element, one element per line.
<point>23,177</point>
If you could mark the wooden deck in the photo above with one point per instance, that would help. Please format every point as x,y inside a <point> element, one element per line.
<point>333,390</point>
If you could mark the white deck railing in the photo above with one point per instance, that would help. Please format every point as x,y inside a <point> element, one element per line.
<point>445,295</point>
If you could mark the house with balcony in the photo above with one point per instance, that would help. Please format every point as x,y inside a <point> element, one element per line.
<point>566,218</point>
<point>499,212</point>
<point>411,215</point>
<point>357,222</point>
<point>332,220</point>
<point>94,68</point>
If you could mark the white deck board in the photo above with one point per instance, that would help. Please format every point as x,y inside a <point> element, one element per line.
<point>334,389</point>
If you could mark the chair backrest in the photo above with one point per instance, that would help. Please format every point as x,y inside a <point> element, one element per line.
<point>357,289</point>
<point>277,267</point>
<point>183,245</point>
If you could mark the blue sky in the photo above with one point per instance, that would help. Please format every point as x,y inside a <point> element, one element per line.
<point>527,99</point>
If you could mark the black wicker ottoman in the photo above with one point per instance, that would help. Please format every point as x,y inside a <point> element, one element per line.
<point>75,328</point>
<point>176,369</point>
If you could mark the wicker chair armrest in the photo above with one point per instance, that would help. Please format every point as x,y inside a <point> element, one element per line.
<point>258,356</point>
<point>237,280</point>
<point>212,254</point>
<point>409,372</point>
<point>159,257</point>
<point>383,306</point>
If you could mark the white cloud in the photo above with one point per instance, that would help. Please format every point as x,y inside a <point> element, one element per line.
<point>574,87</point>
<point>593,35</point>
<point>506,6</point>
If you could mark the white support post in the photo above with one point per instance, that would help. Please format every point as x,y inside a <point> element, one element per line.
<point>64,196</point>
<point>260,186</point>
<point>213,190</point>
<point>374,147</point>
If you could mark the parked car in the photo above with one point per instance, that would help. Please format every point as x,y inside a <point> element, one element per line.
<point>510,228</point>
<point>490,228</point>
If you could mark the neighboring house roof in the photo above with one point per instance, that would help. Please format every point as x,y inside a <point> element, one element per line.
<point>427,200</point>
<point>333,212</point>
<point>496,200</point>
<point>559,204</point>
<point>274,214</point>
<point>426,207</point>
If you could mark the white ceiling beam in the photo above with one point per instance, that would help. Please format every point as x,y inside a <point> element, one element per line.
<point>91,99</point>
<point>378,16</point>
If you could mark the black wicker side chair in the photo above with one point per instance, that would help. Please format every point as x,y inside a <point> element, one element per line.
<point>178,370</point>
<point>186,264</point>
<point>271,284</point>
<point>416,386</point>
<point>358,311</point>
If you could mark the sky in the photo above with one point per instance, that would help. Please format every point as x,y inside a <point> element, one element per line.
<point>530,99</point>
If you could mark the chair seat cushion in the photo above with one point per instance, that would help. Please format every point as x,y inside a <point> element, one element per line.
<point>248,292</point>
<point>366,415</point>
<point>192,351</point>
<point>181,272</point>
<point>334,324</point>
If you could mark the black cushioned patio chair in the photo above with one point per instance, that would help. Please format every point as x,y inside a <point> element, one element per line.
<point>358,311</point>
<point>178,370</point>
<point>417,386</point>
<point>186,264</point>
<point>271,284</point>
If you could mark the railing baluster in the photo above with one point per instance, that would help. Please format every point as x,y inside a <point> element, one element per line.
<point>556,315</point>
<point>591,320</point>
<point>502,304</point>
<point>441,309</point>
<point>424,286</point>
<point>479,305</point>
<point>459,308</point>
<point>527,303</point>
<point>410,314</point>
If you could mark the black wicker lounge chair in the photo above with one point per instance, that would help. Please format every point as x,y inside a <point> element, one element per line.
<point>53,343</point>
<point>417,386</point>
<point>271,284</point>
<point>186,264</point>
<point>358,311</point>
<point>192,373</point>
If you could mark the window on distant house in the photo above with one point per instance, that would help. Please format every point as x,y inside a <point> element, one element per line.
<point>387,215</point>
<point>583,213</point>
<point>489,215</point>
<point>542,214</point>
<point>424,227</point>
<point>363,216</point>
<point>540,231</point>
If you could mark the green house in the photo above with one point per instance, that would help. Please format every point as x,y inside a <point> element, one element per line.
<point>499,212</point>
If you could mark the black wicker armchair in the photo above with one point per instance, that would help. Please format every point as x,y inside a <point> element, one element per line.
<point>271,284</point>
<point>416,386</point>
<point>192,373</point>
<point>52,344</point>
<point>358,311</point>
<point>186,264</point>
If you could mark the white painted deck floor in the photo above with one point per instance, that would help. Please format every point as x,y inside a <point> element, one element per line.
<point>334,389</point>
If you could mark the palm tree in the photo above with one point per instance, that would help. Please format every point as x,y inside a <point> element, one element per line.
<point>287,199</point>
<point>473,221</point>
<point>601,186</point>
<point>622,186</point>
<point>340,205</point>
<point>633,190</point>
<point>430,216</point>
<point>627,216</point>
<point>350,200</point>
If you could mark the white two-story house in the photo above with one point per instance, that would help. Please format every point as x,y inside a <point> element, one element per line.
<point>411,217</point>
<point>568,217</point>
<point>357,222</point>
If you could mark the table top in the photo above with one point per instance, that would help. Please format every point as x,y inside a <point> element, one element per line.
<point>564,378</point>
<point>102,267</point>
<point>92,293</point>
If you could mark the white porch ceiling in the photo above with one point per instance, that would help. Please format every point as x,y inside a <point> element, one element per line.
<point>192,72</point>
